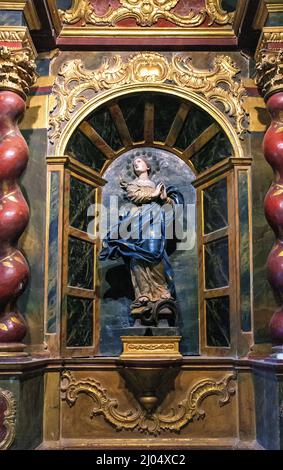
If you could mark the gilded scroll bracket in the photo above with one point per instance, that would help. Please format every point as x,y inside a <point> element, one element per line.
<point>150,422</point>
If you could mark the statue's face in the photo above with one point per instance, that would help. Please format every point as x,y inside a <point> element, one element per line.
<point>140,166</point>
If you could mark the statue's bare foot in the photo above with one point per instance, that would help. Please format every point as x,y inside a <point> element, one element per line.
<point>143,300</point>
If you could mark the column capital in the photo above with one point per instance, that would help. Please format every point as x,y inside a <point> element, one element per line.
<point>17,70</point>
<point>270,72</point>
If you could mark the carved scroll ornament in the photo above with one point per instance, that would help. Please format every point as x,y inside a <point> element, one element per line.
<point>75,84</point>
<point>186,411</point>
<point>8,423</point>
<point>146,13</point>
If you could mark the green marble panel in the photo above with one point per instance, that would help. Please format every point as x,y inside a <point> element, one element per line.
<point>213,152</point>
<point>53,246</point>
<point>42,67</point>
<point>267,412</point>
<point>84,151</point>
<point>244,251</point>
<point>217,264</point>
<point>64,4</point>
<point>82,196</point>
<point>28,393</point>
<point>33,186</point>
<point>133,111</point>
<point>81,263</point>
<point>197,121</point>
<point>165,110</point>
<point>12,18</point>
<point>215,207</point>
<point>229,5</point>
<point>218,322</point>
<point>275,19</point>
<point>79,322</point>
<point>104,125</point>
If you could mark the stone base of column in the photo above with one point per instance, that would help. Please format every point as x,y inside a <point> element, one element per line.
<point>12,350</point>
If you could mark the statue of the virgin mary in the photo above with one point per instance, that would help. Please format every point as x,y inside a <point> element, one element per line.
<point>145,253</point>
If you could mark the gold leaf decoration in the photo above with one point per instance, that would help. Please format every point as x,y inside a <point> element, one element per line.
<point>146,13</point>
<point>17,69</point>
<point>270,72</point>
<point>217,14</point>
<point>152,423</point>
<point>217,85</point>
<point>75,84</point>
<point>9,421</point>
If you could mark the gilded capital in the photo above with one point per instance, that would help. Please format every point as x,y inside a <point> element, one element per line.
<point>270,72</point>
<point>17,70</point>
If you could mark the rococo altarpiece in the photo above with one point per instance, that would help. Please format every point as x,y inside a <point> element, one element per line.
<point>141,224</point>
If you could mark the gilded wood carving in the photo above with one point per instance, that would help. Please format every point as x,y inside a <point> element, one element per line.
<point>146,13</point>
<point>17,69</point>
<point>8,425</point>
<point>154,423</point>
<point>270,72</point>
<point>218,85</point>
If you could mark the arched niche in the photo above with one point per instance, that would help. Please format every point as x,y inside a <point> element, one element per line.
<point>105,130</point>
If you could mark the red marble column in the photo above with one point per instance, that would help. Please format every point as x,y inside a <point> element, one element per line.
<point>273,151</point>
<point>17,74</point>
<point>14,216</point>
<point>271,86</point>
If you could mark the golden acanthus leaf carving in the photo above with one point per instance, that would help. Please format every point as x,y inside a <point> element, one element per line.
<point>186,411</point>
<point>146,13</point>
<point>9,418</point>
<point>17,69</point>
<point>75,85</point>
<point>270,72</point>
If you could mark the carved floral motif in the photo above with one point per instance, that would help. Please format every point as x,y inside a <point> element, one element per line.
<point>146,13</point>
<point>187,410</point>
<point>75,84</point>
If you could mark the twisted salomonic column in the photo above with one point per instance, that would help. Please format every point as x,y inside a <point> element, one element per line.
<point>270,82</point>
<point>17,74</point>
